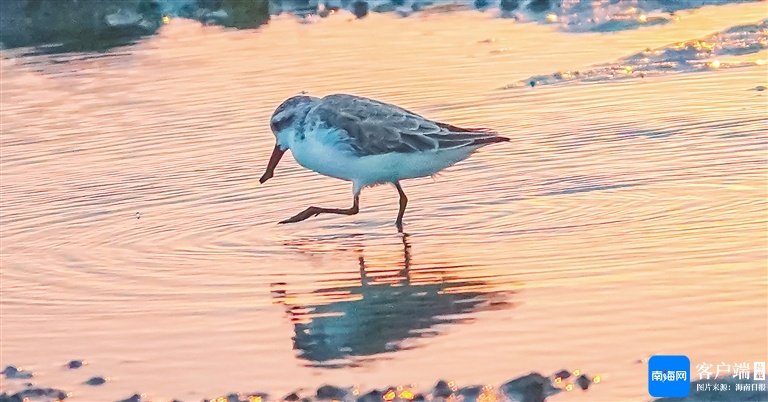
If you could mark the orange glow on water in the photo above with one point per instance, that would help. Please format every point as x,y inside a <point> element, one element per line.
<point>186,76</point>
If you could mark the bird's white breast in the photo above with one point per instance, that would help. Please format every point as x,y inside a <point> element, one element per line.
<point>330,159</point>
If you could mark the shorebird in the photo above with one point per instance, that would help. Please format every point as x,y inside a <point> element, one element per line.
<point>367,142</point>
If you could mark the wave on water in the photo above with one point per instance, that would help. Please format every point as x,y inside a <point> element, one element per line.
<point>705,54</point>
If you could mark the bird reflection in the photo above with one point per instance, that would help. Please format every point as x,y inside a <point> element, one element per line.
<point>341,326</point>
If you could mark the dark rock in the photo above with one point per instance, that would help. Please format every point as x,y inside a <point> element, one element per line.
<point>470,393</point>
<point>419,398</point>
<point>360,8</point>
<point>75,364</point>
<point>13,373</point>
<point>292,397</point>
<point>583,381</point>
<point>94,381</point>
<point>564,374</point>
<point>383,8</point>
<point>134,398</point>
<point>331,392</point>
<point>9,371</point>
<point>533,387</point>
<point>509,5</point>
<point>373,396</point>
<point>534,393</point>
<point>442,390</point>
<point>9,398</point>
<point>538,6</point>
<point>481,4</point>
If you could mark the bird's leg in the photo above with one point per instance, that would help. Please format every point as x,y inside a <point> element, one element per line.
<point>314,211</point>
<point>403,203</point>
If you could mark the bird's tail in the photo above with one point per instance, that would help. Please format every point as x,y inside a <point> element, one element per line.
<point>490,140</point>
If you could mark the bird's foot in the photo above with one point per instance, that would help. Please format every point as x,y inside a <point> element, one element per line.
<point>305,214</point>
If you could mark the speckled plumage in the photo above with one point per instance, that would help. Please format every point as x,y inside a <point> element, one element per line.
<point>367,142</point>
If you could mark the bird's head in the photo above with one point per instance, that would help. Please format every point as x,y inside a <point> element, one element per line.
<point>285,124</point>
<point>287,118</point>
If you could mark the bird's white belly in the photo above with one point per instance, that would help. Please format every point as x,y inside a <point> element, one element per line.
<point>374,169</point>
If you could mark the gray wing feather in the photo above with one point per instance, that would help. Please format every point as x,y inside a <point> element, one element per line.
<point>370,127</point>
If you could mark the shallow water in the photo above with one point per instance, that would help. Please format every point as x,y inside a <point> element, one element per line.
<point>627,218</point>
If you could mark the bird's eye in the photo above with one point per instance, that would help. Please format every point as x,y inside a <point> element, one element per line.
<point>281,124</point>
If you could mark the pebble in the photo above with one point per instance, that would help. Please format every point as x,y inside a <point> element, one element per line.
<point>372,396</point>
<point>75,364</point>
<point>292,397</point>
<point>360,8</point>
<point>442,390</point>
<point>94,381</point>
<point>583,382</point>
<point>134,398</point>
<point>470,393</point>
<point>331,392</point>
<point>539,6</point>
<point>564,374</point>
<point>533,387</point>
<point>13,373</point>
<point>509,5</point>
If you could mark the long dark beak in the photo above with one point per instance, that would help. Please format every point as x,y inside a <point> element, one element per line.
<point>277,153</point>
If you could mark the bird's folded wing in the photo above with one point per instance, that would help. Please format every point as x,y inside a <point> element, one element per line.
<point>369,127</point>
